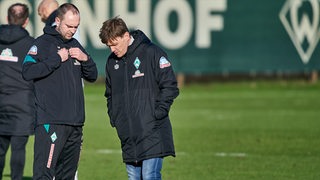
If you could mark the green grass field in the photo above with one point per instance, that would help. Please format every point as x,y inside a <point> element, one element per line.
<point>222,131</point>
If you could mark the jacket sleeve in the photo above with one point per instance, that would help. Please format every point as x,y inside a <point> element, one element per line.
<point>166,84</point>
<point>107,94</point>
<point>89,70</point>
<point>89,67</point>
<point>38,64</point>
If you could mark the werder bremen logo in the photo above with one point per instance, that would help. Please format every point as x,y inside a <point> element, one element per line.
<point>301,20</point>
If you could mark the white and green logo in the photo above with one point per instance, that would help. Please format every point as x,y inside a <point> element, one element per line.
<point>137,63</point>
<point>301,20</point>
<point>53,137</point>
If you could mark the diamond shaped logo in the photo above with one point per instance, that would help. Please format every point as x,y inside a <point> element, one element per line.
<point>137,63</point>
<point>301,20</point>
<point>53,137</point>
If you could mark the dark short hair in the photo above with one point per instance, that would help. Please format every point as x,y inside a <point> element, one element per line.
<point>64,8</point>
<point>17,16</point>
<point>112,28</point>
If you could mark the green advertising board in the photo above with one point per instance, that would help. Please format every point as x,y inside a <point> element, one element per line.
<point>207,36</point>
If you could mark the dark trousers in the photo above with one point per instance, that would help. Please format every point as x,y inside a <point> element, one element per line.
<point>56,152</point>
<point>18,154</point>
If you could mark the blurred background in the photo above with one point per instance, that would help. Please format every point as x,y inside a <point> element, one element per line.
<point>209,38</point>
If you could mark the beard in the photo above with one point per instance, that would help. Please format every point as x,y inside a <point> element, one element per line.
<point>65,35</point>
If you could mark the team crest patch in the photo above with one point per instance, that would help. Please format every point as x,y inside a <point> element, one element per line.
<point>33,50</point>
<point>6,55</point>
<point>163,62</point>
<point>136,64</point>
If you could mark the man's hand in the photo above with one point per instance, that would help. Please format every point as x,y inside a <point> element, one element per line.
<point>78,54</point>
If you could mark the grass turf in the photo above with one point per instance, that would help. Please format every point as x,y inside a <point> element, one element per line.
<point>234,130</point>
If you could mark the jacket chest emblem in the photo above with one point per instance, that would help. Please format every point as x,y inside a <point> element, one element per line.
<point>116,66</point>
<point>76,62</point>
<point>136,64</point>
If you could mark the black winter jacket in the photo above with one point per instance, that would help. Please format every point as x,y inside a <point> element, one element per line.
<point>58,85</point>
<point>140,88</point>
<point>17,109</point>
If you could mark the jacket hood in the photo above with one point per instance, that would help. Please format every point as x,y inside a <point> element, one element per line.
<point>12,33</point>
<point>51,19</point>
<point>139,38</point>
<point>51,30</point>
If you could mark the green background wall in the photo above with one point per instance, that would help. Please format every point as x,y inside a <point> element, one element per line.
<point>206,36</point>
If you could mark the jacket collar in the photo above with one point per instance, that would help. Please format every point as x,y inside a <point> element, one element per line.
<point>51,30</point>
<point>12,33</point>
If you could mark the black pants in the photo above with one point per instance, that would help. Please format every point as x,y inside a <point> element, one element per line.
<point>18,154</point>
<point>56,151</point>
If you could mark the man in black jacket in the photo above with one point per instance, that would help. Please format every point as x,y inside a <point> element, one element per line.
<point>57,63</point>
<point>140,88</point>
<point>17,111</point>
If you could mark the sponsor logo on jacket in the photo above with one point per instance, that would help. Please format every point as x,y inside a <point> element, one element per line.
<point>6,55</point>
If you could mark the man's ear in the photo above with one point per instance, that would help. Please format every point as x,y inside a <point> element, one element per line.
<point>25,23</point>
<point>7,20</point>
<point>126,35</point>
<point>57,21</point>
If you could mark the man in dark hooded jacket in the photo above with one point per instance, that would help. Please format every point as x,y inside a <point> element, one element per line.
<point>17,111</point>
<point>57,63</point>
<point>140,89</point>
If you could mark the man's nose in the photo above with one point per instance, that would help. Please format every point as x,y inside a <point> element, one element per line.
<point>73,30</point>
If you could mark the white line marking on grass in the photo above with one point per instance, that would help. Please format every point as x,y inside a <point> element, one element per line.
<point>223,154</point>
<point>109,151</point>
<point>116,151</point>
<point>181,153</point>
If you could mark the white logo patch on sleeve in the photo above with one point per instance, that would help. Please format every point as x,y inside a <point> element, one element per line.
<point>163,62</point>
<point>33,50</point>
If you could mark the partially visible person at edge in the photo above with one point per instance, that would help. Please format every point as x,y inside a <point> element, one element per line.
<point>17,108</point>
<point>47,10</point>
<point>56,63</point>
<point>140,89</point>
